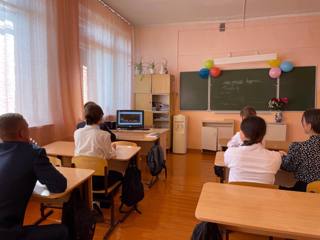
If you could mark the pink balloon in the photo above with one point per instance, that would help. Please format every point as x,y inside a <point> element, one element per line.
<point>275,72</point>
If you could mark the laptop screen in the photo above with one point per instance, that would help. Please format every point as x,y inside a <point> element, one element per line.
<point>130,119</point>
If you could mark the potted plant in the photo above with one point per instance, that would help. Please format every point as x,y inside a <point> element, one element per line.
<point>278,105</point>
<point>138,67</point>
<point>151,67</point>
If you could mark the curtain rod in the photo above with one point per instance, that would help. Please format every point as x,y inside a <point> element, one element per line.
<point>114,12</point>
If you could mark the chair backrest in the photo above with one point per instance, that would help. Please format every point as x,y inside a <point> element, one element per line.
<point>55,161</point>
<point>253,184</point>
<point>125,143</point>
<point>314,187</point>
<point>97,164</point>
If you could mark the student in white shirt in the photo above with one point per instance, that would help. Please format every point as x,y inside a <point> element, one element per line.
<point>247,111</point>
<point>251,162</point>
<point>91,140</point>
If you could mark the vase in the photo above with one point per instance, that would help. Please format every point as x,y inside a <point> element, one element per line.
<point>278,117</point>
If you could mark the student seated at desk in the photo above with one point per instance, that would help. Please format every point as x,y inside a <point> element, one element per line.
<point>92,141</point>
<point>21,165</point>
<point>247,111</point>
<point>103,125</point>
<point>251,162</point>
<point>303,158</point>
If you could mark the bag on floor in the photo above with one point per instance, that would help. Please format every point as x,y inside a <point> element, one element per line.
<point>206,231</point>
<point>79,220</point>
<point>132,187</point>
<point>155,160</point>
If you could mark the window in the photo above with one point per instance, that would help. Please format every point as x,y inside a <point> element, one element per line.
<point>106,59</point>
<point>24,62</point>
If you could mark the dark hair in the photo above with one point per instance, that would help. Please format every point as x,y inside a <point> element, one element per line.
<point>254,128</point>
<point>88,103</point>
<point>10,124</point>
<point>312,116</point>
<point>247,111</point>
<point>93,114</point>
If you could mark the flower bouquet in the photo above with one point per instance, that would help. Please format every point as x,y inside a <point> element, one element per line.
<point>278,104</point>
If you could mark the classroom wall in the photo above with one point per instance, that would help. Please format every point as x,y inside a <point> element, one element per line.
<point>186,46</point>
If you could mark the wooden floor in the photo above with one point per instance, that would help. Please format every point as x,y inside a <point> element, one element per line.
<point>168,207</point>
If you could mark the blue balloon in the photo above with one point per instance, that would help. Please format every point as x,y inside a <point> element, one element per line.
<point>286,66</point>
<point>204,73</point>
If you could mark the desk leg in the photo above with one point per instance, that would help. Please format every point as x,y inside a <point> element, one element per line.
<point>87,193</point>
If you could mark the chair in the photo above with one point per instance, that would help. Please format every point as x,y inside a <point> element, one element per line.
<point>245,235</point>
<point>254,184</point>
<point>55,161</point>
<point>125,143</point>
<point>314,187</point>
<point>99,165</point>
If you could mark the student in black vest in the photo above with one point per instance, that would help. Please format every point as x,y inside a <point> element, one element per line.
<point>21,165</point>
<point>103,126</point>
<point>303,158</point>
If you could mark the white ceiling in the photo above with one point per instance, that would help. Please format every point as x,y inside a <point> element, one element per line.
<point>148,12</point>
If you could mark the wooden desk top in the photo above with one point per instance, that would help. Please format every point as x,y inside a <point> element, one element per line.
<point>75,177</point>
<point>60,148</point>
<point>219,159</point>
<point>66,149</point>
<point>269,212</point>
<point>140,135</point>
<point>271,145</point>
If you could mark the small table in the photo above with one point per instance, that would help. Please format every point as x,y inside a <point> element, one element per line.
<point>282,178</point>
<point>268,212</point>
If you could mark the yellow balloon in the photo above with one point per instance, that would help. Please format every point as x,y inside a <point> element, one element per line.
<point>274,63</point>
<point>208,64</point>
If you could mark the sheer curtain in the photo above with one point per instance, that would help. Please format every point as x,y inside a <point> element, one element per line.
<point>26,33</point>
<point>105,46</point>
<point>40,73</point>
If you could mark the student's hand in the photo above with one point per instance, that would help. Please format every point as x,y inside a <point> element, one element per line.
<point>282,153</point>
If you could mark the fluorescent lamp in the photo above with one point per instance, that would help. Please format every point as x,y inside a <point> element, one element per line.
<point>244,59</point>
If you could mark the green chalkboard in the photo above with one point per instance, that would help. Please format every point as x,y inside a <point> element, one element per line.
<point>234,89</point>
<point>299,86</point>
<point>193,91</point>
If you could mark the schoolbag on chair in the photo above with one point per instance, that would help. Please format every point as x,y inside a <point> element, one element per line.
<point>155,160</point>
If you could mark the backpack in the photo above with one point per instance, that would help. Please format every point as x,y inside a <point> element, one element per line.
<point>155,160</point>
<point>132,187</point>
<point>206,231</point>
<point>79,220</point>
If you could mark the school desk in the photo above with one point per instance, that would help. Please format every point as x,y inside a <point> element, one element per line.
<point>75,178</point>
<point>144,139</point>
<point>271,145</point>
<point>65,150</point>
<point>282,178</point>
<point>269,212</point>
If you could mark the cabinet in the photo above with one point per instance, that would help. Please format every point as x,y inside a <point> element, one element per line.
<point>154,94</point>
<point>212,131</point>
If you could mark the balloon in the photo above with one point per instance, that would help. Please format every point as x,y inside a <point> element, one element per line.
<point>204,73</point>
<point>286,66</point>
<point>274,63</point>
<point>275,72</point>
<point>208,64</point>
<point>215,72</point>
